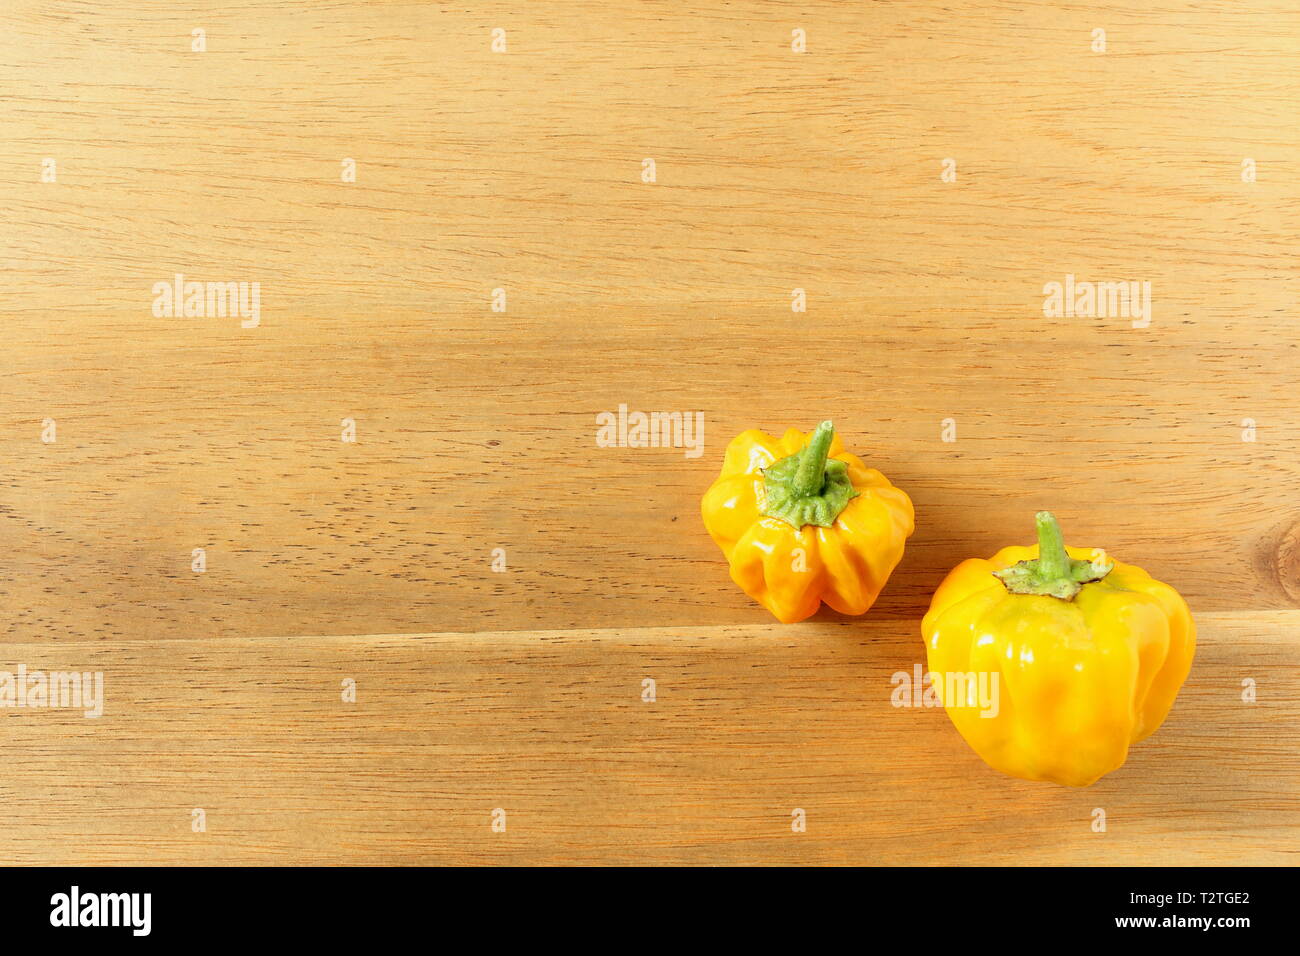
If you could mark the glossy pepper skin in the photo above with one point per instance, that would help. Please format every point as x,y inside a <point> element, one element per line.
<point>802,521</point>
<point>1089,655</point>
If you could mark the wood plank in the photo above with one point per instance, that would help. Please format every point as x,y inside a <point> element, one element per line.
<point>748,723</point>
<point>522,170</point>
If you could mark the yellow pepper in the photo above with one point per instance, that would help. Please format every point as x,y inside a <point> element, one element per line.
<point>1084,656</point>
<point>802,521</point>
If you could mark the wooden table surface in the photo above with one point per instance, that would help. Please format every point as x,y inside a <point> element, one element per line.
<point>499,274</point>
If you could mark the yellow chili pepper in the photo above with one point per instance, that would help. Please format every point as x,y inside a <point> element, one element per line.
<point>802,521</point>
<point>1084,656</point>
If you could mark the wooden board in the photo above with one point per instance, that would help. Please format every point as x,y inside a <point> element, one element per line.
<point>748,724</point>
<point>476,429</point>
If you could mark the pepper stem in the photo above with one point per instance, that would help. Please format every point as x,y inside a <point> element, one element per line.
<point>1053,560</point>
<point>811,473</point>
<point>1053,573</point>
<point>808,487</point>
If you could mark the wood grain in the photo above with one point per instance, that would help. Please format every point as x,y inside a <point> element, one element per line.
<point>748,723</point>
<point>476,429</point>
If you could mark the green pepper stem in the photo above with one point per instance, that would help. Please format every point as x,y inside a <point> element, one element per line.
<point>1053,560</point>
<point>811,473</point>
<point>1053,573</point>
<point>808,487</point>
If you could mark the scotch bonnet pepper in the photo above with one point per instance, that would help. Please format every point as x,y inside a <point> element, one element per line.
<point>802,521</point>
<point>1089,654</point>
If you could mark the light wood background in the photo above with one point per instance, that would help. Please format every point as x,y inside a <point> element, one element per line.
<point>476,430</point>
